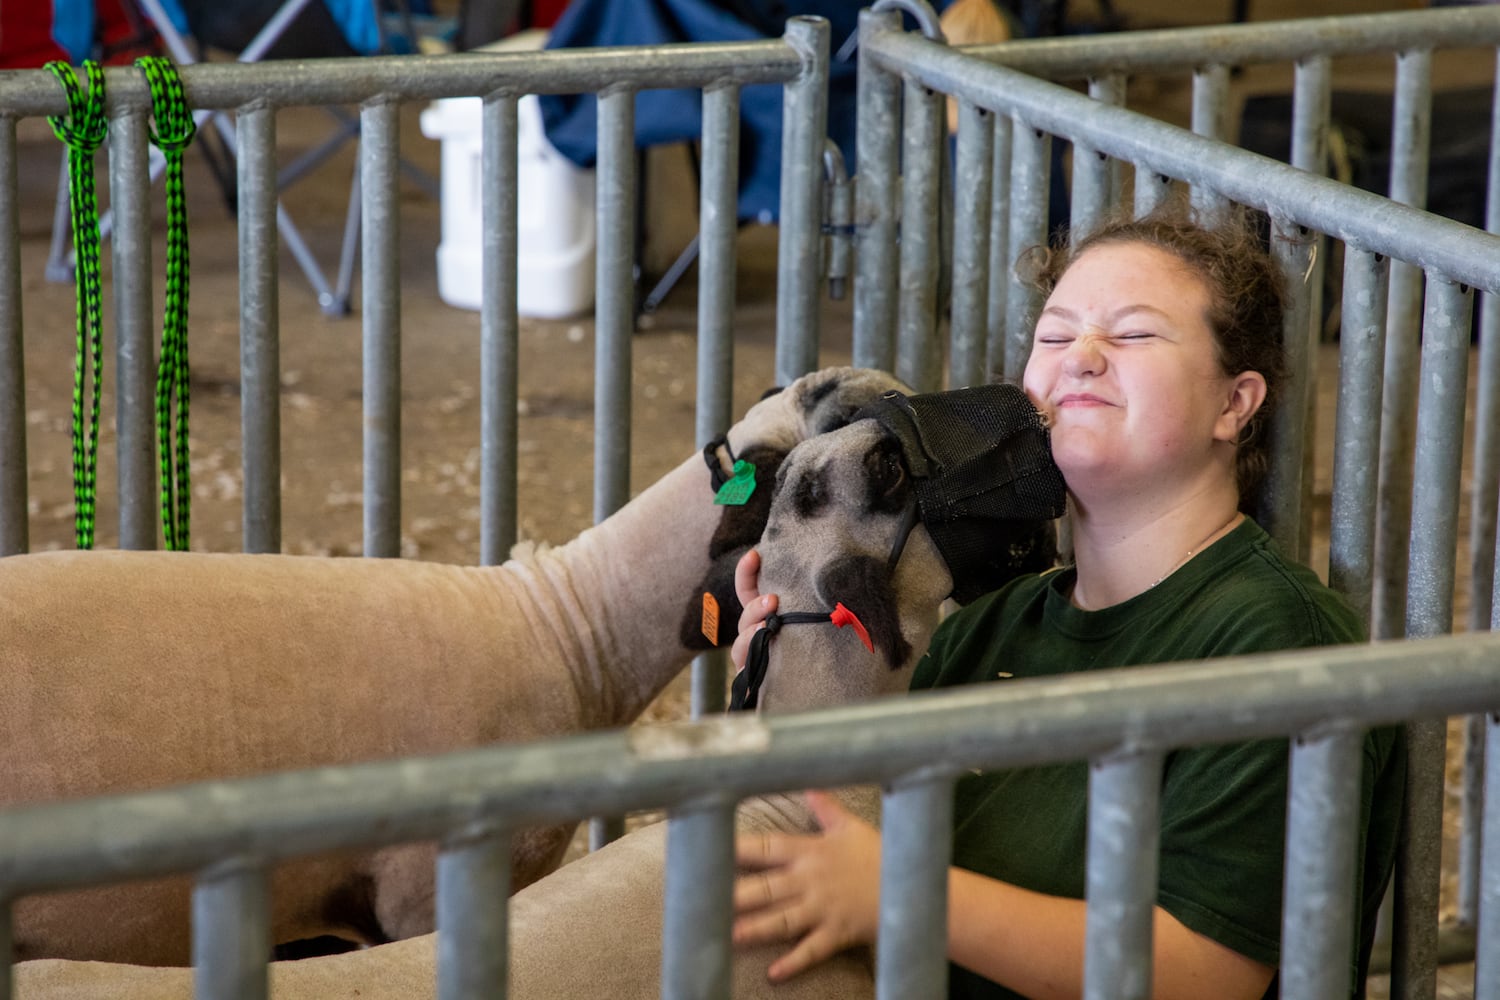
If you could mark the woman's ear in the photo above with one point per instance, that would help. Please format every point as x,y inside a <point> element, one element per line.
<point>1247,391</point>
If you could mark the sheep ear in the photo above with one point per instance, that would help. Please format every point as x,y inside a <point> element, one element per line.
<point>862,584</point>
<point>886,478</point>
<point>718,583</point>
<point>741,525</point>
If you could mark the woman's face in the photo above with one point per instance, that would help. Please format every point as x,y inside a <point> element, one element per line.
<point>1125,366</point>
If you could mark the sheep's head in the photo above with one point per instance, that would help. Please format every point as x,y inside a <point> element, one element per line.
<point>813,404</point>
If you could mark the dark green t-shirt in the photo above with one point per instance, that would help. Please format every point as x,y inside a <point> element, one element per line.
<point>1223,808</point>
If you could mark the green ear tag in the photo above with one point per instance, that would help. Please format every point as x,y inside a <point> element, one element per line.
<point>736,492</point>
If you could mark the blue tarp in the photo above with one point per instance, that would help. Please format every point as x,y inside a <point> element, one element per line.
<point>73,24</point>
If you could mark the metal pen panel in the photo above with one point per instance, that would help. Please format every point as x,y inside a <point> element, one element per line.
<point>916,848</point>
<point>918,354</point>
<point>231,932</point>
<point>804,128</point>
<point>1124,827</point>
<point>699,904</point>
<point>260,329</point>
<point>381,281</point>
<point>1356,438</point>
<point>614,309</point>
<point>1411,130</point>
<point>135,350</point>
<point>473,884</point>
<point>1487,944</point>
<point>1291,245</point>
<point>1322,841</point>
<point>1210,120</point>
<point>1000,255</point>
<point>974,168</point>
<point>1096,178</point>
<point>1151,190</point>
<point>1484,493</point>
<point>14,524</point>
<point>1312,95</point>
<point>1030,170</point>
<point>877,149</point>
<point>499,328</point>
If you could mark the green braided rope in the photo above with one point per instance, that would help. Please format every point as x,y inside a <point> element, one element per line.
<point>172,133</point>
<point>83,130</point>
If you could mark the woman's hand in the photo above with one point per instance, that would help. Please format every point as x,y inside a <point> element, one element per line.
<point>820,890</point>
<point>757,607</point>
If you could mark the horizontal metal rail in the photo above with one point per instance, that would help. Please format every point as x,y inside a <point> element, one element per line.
<point>1186,49</point>
<point>1136,710</point>
<point>1366,220</point>
<point>219,86</point>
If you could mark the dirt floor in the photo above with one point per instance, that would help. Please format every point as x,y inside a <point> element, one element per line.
<point>321,360</point>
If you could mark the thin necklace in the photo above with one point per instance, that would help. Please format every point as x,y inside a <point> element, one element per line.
<point>1211,535</point>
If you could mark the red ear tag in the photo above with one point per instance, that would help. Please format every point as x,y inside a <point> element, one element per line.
<point>842,616</point>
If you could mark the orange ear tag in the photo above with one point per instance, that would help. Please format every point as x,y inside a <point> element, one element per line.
<point>710,618</point>
<point>842,616</point>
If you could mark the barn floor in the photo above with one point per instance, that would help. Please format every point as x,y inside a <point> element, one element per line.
<point>321,355</point>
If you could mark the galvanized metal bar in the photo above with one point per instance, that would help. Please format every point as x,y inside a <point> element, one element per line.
<point>699,906</point>
<point>1000,255</point>
<point>974,168</point>
<point>877,148</point>
<point>1210,120</point>
<point>68,843</point>
<point>717,231</point>
<point>1410,138</point>
<point>804,128</point>
<point>1095,175</point>
<point>1124,829</point>
<point>1291,245</point>
<point>918,354</point>
<point>1318,921</point>
<point>1151,190</point>
<point>227,85</point>
<point>381,282</point>
<point>614,310</point>
<point>499,328</point>
<point>231,932</point>
<point>1356,439</point>
<point>1487,944</point>
<point>260,330</point>
<point>14,521</point>
<point>1414,956</point>
<point>1470,820</point>
<point>1030,170</point>
<point>916,850</point>
<point>1318,203</point>
<point>135,350</point>
<point>1311,99</point>
<point>473,884</point>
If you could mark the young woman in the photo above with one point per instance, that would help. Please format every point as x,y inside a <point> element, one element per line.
<point>1155,358</point>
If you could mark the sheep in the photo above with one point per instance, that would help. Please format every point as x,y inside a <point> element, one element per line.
<point>594,927</point>
<point>134,670</point>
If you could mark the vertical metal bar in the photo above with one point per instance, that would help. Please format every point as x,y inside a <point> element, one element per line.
<point>1429,612</point>
<point>1356,439</point>
<point>804,126</point>
<point>716,288</point>
<point>260,331</point>
<point>499,329</point>
<point>1470,820</point>
<point>1095,175</point>
<point>877,146</point>
<point>916,845</point>
<point>974,165</point>
<point>695,958</point>
<point>918,356</point>
<point>1151,189</point>
<point>1124,828</point>
<point>14,533</point>
<point>1487,944</point>
<point>135,353</point>
<point>1001,258</point>
<point>614,313</point>
<point>1311,99</point>
<point>1292,248</point>
<point>379,138</point>
<point>231,933</point>
<point>1410,133</point>
<point>1030,168</point>
<point>473,884</point>
<point>1210,119</point>
<point>1317,923</point>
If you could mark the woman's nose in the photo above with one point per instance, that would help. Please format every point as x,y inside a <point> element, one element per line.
<point>1084,357</point>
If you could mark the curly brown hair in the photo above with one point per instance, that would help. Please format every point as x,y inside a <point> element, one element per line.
<point>1247,301</point>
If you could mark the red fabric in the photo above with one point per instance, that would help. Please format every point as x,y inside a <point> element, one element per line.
<point>26,34</point>
<point>544,13</point>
